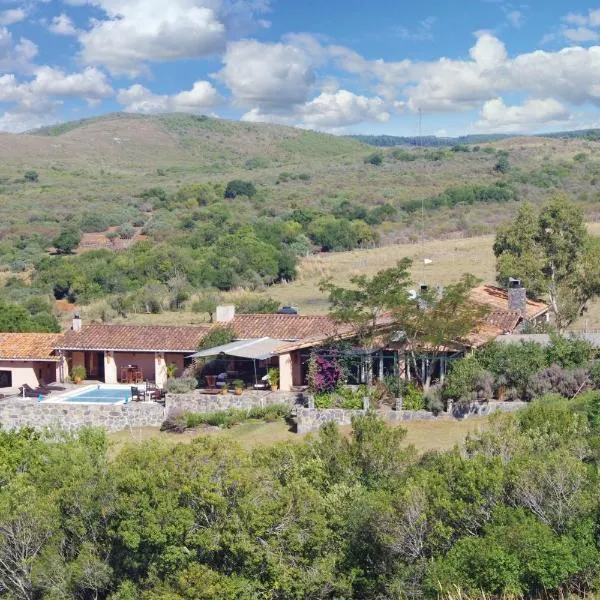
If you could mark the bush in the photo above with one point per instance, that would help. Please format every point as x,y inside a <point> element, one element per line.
<point>237,187</point>
<point>555,379</point>
<point>68,239</point>
<point>568,352</point>
<point>217,336</point>
<point>324,375</point>
<point>434,401</point>
<point>31,176</point>
<point>229,418</point>
<point>181,385</point>
<point>78,372</point>
<point>126,231</point>
<point>468,382</point>
<point>413,398</point>
<point>255,304</point>
<point>375,159</point>
<point>342,397</point>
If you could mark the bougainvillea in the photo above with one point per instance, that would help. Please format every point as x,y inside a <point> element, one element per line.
<point>325,374</point>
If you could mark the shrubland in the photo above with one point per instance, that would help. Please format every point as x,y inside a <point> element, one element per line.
<point>513,513</point>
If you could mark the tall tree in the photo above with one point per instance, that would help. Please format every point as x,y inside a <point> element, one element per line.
<point>554,256</point>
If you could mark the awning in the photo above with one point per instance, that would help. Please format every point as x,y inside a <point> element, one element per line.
<point>259,349</point>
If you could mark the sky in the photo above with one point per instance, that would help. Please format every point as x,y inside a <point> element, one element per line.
<point>339,66</point>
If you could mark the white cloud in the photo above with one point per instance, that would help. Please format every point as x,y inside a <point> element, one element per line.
<point>330,111</point>
<point>497,117</point>
<point>62,25</point>
<point>342,109</point>
<point>139,99</point>
<point>270,76</point>
<point>16,122</point>
<point>16,56</point>
<point>138,32</point>
<point>580,34</point>
<point>90,83</point>
<point>12,16</point>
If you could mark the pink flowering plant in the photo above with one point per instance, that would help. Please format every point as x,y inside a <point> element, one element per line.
<point>325,374</point>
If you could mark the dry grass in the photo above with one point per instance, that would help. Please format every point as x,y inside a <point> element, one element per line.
<point>423,435</point>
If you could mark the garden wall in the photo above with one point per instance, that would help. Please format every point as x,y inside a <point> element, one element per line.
<point>201,403</point>
<point>311,419</point>
<point>19,413</point>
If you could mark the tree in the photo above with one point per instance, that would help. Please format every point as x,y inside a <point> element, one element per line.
<point>237,187</point>
<point>553,254</point>
<point>67,240</point>
<point>432,321</point>
<point>207,303</point>
<point>361,305</point>
<point>217,336</point>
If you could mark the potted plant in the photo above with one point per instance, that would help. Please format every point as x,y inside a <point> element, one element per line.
<point>238,387</point>
<point>273,378</point>
<point>78,373</point>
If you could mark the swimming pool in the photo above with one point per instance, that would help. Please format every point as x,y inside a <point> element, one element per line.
<point>96,394</point>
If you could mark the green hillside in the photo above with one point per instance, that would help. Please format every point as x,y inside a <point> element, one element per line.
<point>227,204</point>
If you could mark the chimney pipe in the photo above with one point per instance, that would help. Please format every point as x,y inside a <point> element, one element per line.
<point>517,297</point>
<point>77,324</point>
<point>225,313</point>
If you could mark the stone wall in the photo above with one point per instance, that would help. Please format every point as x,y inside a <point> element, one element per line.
<point>19,413</point>
<point>311,419</point>
<point>197,402</point>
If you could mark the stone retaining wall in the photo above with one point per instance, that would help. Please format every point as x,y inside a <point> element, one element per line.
<point>19,413</point>
<point>311,419</point>
<point>201,403</point>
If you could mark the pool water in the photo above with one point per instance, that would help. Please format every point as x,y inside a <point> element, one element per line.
<point>102,395</point>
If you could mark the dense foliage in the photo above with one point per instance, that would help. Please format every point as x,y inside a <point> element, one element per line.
<point>514,514</point>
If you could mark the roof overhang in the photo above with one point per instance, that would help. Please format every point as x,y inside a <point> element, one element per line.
<point>153,350</point>
<point>29,359</point>
<point>258,349</point>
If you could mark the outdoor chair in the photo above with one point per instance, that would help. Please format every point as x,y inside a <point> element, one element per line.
<point>136,395</point>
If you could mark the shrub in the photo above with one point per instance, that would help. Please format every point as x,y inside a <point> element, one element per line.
<point>126,231</point>
<point>181,385</point>
<point>555,379</point>
<point>568,352</point>
<point>595,374</point>
<point>68,239</point>
<point>229,418</point>
<point>324,375</point>
<point>376,159</point>
<point>255,304</point>
<point>467,382</point>
<point>413,398</point>
<point>342,397</point>
<point>78,372</point>
<point>217,336</point>
<point>433,400</point>
<point>237,187</point>
<point>31,176</point>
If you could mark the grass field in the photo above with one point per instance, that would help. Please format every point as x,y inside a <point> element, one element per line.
<point>450,258</point>
<point>423,435</point>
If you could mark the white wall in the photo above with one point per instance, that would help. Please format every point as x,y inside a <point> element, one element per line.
<point>29,372</point>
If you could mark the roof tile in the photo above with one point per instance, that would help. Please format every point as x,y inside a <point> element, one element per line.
<point>143,338</point>
<point>28,346</point>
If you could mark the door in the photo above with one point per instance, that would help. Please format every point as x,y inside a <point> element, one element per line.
<point>5,379</point>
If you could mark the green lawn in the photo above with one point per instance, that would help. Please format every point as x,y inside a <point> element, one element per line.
<point>424,435</point>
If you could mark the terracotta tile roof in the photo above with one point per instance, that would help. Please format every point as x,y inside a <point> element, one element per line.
<point>497,299</point>
<point>28,346</point>
<point>282,327</point>
<point>495,323</point>
<point>141,338</point>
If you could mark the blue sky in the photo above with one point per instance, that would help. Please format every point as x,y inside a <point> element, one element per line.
<point>343,66</point>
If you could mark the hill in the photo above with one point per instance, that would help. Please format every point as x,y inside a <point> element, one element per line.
<point>432,141</point>
<point>166,180</point>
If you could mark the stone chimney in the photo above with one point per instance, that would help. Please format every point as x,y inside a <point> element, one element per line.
<point>225,313</point>
<point>77,324</point>
<point>517,297</point>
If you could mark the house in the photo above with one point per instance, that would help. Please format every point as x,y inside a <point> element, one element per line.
<point>262,341</point>
<point>30,358</point>
<point>105,350</point>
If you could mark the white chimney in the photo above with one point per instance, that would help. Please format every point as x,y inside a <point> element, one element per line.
<point>225,313</point>
<point>76,322</point>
